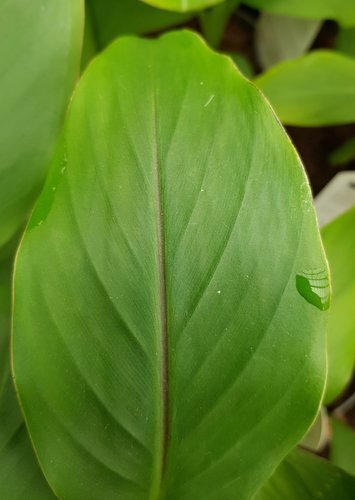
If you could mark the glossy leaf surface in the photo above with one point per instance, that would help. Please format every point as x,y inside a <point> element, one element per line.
<point>40,45</point>
<point>343,154</point>
<point>313,90</point>
<point>339,10</point>
<point>303,476</point>
<point>345,41</point>
<point>339,242</point>
<point>20,475</point>
<point>155,291</point>
<point>342,447</point>
<point>182,5</point>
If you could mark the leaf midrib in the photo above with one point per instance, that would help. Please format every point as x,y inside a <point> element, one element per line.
<point>162,295</point>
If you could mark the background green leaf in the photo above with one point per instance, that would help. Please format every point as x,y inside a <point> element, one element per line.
<point>20,475</point>
<point>345,41</point>
<point>40,45</point>
<point>303,476</point>
<point>182,5</point>
<point>342,447</point>
<point>111,19</point>
<point>214,21</point>
<point>155,295</point>
<point>339,10</point>
<point>339,242</point>
<point>314,90</point>
<point>317,436</point>
<point>242,63</point>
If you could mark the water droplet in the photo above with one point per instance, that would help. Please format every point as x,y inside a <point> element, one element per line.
<point>314,286</point>
<point>218,291</point>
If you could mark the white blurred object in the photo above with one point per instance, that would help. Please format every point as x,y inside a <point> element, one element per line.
<point>280,37</point>
<point>336,198</point>
<point>317,436</point>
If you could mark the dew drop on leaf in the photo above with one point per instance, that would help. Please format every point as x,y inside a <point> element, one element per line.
<point>314,286</point>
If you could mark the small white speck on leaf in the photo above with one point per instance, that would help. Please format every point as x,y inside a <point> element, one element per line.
<point>218,291</point>
<point>210,99</point>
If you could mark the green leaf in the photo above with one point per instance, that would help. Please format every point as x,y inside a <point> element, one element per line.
<point>279,38</point>
<point>343,154</point>
<point>314,90</point>
<point>339,241</point>
<point>155,295</point>
<point>20,475</point>
<point>182,5</point>
<point>40,45</point>
<point>342,447</point>
<point>242,63</point>
<point>214,21</point>
<point>303,476</point>
<point>345,41</point>
<point>90,42</point>
<point>342,11</point>
<point>111,19</point>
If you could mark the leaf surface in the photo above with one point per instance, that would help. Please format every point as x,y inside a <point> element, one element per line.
<point>40,44</point>
<point>314,90</point>
<point>155,295</point>
<point>342,11</point>
<point>182,5</point>
<point>20,475</point>
<point>343,154</point>
<point>339,241</point>
<point>111,19</point>
<point>307,477</point>
<point>345,41</point>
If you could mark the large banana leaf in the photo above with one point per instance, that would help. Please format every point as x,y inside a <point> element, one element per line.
<point>339,10</point>
<point>40,43</point>
<point>20,475</point>
<point>182,5</point>
<point>303,476</point>
<point>339,242</point>
<point>313,90</point>
<point>170,288</point>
